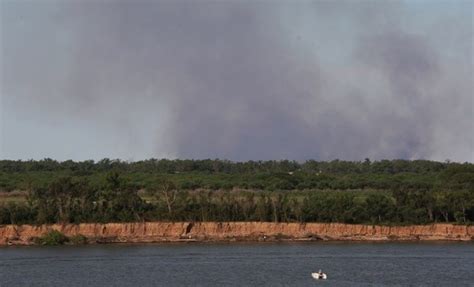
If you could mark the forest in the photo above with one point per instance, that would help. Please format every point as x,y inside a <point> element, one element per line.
<point>393,192</point>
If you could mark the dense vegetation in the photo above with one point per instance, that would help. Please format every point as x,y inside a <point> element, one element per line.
<point>382,192</point>
<point>55,237</point>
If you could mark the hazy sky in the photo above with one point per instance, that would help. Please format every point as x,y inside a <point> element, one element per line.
<point>237,79</point>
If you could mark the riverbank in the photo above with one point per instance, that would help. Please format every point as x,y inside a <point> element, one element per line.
<point>234,231</point>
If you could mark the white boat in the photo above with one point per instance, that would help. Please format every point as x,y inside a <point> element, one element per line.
<point>319,276</point>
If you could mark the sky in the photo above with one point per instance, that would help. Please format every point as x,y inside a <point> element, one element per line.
<point>238,80</point>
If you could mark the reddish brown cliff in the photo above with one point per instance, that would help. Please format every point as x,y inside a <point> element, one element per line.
<point>232,231</point>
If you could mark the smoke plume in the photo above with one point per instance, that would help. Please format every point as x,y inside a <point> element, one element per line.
<point>237,79</point>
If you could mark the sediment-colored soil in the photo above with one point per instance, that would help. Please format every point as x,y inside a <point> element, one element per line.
<point>234,231</point>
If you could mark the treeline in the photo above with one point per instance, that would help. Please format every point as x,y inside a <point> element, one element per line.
<point>225,166</point>
<point>70,200</point>
<point>255,175</point>
<point>381,192</point>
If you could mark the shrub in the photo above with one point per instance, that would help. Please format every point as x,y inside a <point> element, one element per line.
<point>52,238</point>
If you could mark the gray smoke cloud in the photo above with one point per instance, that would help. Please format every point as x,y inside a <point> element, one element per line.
<point>237,79</point>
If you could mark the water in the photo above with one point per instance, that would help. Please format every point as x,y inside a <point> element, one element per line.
<point>240,264</point>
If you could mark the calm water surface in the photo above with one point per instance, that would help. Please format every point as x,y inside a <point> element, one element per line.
<point>262,264</point>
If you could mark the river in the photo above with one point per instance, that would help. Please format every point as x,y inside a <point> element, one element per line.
<point>240,264</point>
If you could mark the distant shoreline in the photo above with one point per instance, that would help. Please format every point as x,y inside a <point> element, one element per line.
<point>149,232</point>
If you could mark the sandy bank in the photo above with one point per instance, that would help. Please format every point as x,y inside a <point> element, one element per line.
<point>235,231</point>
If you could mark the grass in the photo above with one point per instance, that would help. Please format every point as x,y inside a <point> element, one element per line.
<point>14,197</point>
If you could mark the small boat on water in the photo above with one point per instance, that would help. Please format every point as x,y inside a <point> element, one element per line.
<point>319,275</point>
